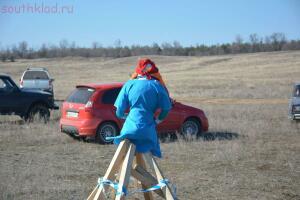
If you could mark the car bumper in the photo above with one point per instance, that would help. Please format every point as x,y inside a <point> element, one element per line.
<point>55,106</point>
<point>72,130</point>
<point>204,124</point>
<point>79,128</point>
<point>295,116</point>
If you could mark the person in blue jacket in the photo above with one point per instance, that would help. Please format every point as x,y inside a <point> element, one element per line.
<point>143,95</point>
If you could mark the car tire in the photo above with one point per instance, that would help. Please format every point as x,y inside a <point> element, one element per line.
<point>191,128</point>
<point>38,112</point>
<point>107,129</point>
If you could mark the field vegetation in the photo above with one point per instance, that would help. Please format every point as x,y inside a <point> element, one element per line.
<point>252,150</point>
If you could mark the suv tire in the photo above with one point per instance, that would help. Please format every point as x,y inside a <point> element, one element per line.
<point>38,112</point>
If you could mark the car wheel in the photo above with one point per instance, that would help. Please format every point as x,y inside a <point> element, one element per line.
<point>38,112</point>
<point>191,128</point>
<point>107,129</point>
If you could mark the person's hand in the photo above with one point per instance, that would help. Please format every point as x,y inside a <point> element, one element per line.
<point>173,101</point>
<point>125,116</point>
<point>157,121</point>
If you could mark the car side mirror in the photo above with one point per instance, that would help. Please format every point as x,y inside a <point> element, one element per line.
<point>52,80</point>
<point>16,89</point>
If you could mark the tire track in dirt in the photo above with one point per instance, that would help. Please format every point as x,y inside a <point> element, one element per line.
<point>233,101</point>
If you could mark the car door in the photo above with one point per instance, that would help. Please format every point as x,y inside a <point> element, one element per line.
<point>9,102</point>
<point>173,121</point>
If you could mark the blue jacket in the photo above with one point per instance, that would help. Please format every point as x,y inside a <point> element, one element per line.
<point>143,97</point>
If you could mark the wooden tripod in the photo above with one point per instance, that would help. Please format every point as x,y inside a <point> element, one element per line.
<point>123,162</point>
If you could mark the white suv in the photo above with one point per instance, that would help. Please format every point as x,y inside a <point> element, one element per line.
<point>294,106</point>
<point>37,78</point>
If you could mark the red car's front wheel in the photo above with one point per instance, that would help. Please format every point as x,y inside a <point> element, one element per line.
<point>191,128</point>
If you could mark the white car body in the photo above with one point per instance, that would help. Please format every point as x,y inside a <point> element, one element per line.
<point>37,78</point>
<point>294,105</point>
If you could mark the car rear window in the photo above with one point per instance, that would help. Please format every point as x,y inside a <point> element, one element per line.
<point>110,96</point>
<point>80,95</point>
<point>31,75</point>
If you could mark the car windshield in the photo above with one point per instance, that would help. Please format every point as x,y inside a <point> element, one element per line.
<point>80,95</point>
<point>296,91</point>
<point>32,75</point>
<point>2,84</point>
<point>5,85</point>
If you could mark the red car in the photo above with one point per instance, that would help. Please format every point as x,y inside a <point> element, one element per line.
<point>89,112</point>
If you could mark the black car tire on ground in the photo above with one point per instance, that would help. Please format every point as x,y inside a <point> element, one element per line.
<point>38,112</point>
<point>107,129</point>
<point>191,128</point>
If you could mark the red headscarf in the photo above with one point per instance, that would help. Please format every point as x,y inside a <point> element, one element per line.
<point>147,67</point>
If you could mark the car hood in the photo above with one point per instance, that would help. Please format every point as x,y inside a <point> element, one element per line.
<point>33,91</point>
<point>186,107</point>
<point>295,100</point>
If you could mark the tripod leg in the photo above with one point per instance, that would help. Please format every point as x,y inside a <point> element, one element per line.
<point>140,161</point>
<point>166,190</point>
<point>125,172</point>
<point>113,167</point>
<point>148,159</point>
<point>92,195</point>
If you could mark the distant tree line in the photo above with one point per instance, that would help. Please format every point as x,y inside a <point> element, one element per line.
<point>255,43</point>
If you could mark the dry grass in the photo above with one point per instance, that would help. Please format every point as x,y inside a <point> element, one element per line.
<point>251,152</point>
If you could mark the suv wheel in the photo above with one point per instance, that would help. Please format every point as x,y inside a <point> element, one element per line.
<point>191,128</point>
<point>38,112</point>
<point>107,129</point>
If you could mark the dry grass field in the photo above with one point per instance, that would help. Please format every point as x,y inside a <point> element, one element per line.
<point>252,150</point>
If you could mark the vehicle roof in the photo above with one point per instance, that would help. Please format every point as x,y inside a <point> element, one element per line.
<point>102,85</point>
<point>36,69</point>
<point>297,83</point>
<point>4,75</point>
